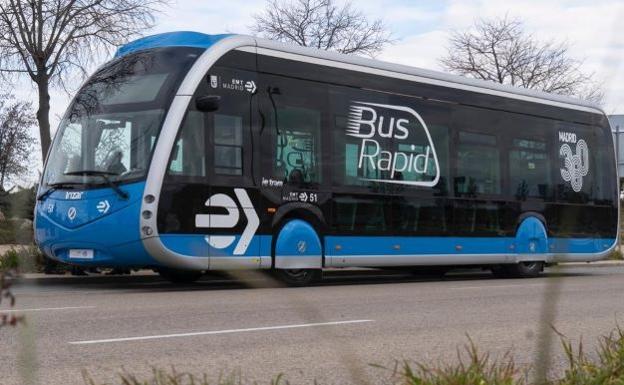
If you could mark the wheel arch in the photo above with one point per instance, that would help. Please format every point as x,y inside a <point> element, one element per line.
<point>308,213</point>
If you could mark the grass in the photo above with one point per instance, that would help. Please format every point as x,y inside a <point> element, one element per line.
<point>173,377</point>
<point>605,367</point>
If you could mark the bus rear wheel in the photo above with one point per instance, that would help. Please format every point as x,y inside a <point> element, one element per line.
<point>298,277</point>
<point>529,269</point>
<point>179,276</point>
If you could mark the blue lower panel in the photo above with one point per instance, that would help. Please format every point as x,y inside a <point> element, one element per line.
<point>197,245</point>
<point>191,245</point>
<point>358,245</point>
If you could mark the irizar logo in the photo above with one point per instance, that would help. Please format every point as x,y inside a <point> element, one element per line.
<point>576,165</point>
<point>370,120</point>
<point>229,220</point>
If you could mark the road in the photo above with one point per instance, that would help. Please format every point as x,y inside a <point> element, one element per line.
<point>330,332</point>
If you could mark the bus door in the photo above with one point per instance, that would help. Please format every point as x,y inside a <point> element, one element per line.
<point>207,203</point>
<point>294,174</point>
<point>233,203</point>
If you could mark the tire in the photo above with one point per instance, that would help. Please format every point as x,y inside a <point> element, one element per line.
<point>298,277</point>
<point>529,269</point>
<point>180,276</point>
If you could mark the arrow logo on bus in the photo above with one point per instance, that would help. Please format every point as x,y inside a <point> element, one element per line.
<point>250,86</point>
<point>103,206</point>
<point>229,220</point>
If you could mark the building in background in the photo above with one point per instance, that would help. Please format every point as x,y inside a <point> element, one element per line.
<point>617,127</point>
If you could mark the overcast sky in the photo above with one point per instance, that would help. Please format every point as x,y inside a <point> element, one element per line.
<point>594,29</point>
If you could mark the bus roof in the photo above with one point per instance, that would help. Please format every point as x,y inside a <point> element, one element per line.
<point>170,39</point>
<point>201,40</point>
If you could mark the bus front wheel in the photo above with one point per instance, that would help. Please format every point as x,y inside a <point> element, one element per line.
<point>179,276</point>
<point>298,277</point>
<point>529,269</point>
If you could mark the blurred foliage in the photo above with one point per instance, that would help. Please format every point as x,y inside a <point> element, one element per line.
<point>173,377</point>
<point>17,209</point>
<point>22,259</point>
<point>605,367</point>
<point>616,255</point>
<point>8,318</point>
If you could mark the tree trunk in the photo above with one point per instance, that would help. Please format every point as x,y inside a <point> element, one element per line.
<point>43,115</point>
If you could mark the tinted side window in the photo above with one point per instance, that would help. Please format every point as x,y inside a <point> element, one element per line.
<point>298,145</point>
<point>529,168</point>
<point>356,149</point>
<point>292,141</point>
<point>529,157</point>
<point>189,152</point>
<point>478,164</point>
<point>228,144</point>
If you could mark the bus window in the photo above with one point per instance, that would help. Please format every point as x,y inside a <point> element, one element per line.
<point>361,214</point>
<point>355,156</point>
<point>189,154</point>
<point>298,145</point>
<point>291,137</point>
<point>228,144</point>
<point>478,164</point>
<point>529,168</point>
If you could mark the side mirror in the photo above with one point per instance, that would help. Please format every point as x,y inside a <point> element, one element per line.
<point>208,103</point>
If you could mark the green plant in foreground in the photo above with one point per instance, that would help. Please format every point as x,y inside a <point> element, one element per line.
<point>472,368</point>
<point>607,369</point>
<point>173,377</point>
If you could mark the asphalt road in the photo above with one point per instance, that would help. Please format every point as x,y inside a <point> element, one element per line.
<point>330,332</point>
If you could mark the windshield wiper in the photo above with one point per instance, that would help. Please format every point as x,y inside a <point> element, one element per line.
<point>53,187</point>
<point>104,175</point>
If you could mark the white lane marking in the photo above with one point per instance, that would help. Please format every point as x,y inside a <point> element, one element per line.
<point>88,342</point>
<point>46,309</point>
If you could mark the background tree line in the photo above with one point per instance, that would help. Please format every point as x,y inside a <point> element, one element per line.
<point>53,43</point>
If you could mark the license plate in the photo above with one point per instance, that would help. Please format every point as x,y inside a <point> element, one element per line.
<point>81,253</point>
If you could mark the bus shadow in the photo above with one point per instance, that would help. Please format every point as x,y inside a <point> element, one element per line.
<point>259,280</point>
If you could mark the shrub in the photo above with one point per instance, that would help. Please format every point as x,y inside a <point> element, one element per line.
<point>10,260</point>
<point>472,368</point>
<point>164,377</point>
<point>616,255</point>
<point>608,368</point>
<point>22,259</point>
<point>7,232</point>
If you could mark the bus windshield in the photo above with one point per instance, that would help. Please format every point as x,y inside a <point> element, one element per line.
<point>112,124</point>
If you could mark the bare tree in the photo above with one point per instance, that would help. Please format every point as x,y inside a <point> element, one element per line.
<point>47,40</point>
<point>16,121</point>
<point>322,24</point>
<point>501,50</point>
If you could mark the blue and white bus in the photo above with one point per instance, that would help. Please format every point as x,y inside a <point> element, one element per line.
<point>190,152</point>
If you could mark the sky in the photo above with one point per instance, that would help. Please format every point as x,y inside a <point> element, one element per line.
<point>593,29</point>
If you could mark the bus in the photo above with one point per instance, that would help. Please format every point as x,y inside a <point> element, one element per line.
<point>190,152</point>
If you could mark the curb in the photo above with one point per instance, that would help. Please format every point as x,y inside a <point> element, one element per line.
<point>38,278</point>
<point>592,264</point>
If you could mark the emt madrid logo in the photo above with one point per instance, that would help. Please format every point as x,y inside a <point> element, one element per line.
<point>412,160</point>
<point>576,163</point>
